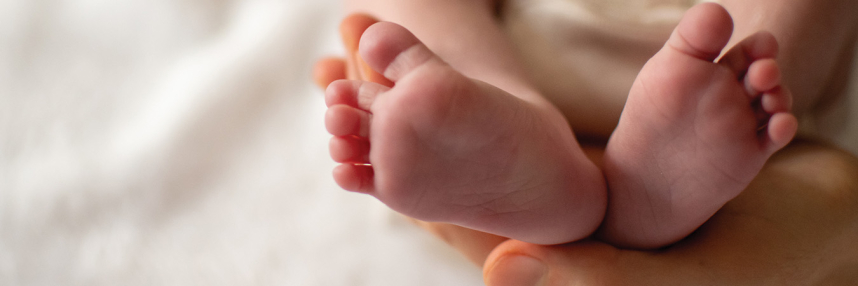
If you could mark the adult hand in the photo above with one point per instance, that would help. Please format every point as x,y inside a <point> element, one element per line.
<point>796,224</point>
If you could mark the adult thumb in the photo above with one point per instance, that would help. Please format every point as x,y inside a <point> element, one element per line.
<point>516,263</point>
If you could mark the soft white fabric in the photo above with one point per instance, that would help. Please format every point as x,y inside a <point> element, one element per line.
<point>181,142</point>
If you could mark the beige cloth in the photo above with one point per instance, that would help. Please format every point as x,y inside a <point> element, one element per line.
<point>597,47</point>
<point>589,48</point>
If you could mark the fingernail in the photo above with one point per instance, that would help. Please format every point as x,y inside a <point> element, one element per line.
<point>519,270</point>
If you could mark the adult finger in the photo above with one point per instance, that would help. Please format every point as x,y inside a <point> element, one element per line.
<point>328,70</point>
<point>475,245</point>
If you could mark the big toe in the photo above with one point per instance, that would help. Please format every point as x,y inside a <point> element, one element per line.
<point>352,27</point>
<point>703,31</point>
<point>393,51</point>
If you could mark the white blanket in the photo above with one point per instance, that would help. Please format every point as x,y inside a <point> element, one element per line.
<point>181,142</point>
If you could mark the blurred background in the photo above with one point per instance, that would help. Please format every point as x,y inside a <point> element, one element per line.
<point>181,142</point>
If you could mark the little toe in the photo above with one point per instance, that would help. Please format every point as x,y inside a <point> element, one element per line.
<point>782,128</point>
<point>763,75</point>
<point>354,93</point>
<point>343,120</point>
<point>739,58</point>
<point>355,178</point>
<point>349,149</point>
<point>394,51</point>
<point>703,31</point>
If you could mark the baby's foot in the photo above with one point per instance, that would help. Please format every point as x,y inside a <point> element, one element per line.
<point>694,132</point>
<point>439,146</point>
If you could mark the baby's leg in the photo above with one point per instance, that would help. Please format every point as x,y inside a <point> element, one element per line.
<point>694,132</point>
<point>439,146</point>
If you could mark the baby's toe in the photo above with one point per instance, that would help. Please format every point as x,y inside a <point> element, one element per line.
<point>355,93</point>
<point>352,27</point>
<point>763,75</point>
<point>355,178</point>
<point>777,100</point>
<point>349,149</point>
<point>343,120</point>
<point>703,32</point>
<point>739,58</point>
<point>781,129</point>
<point>393,51</point>
<point>351,30</point>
